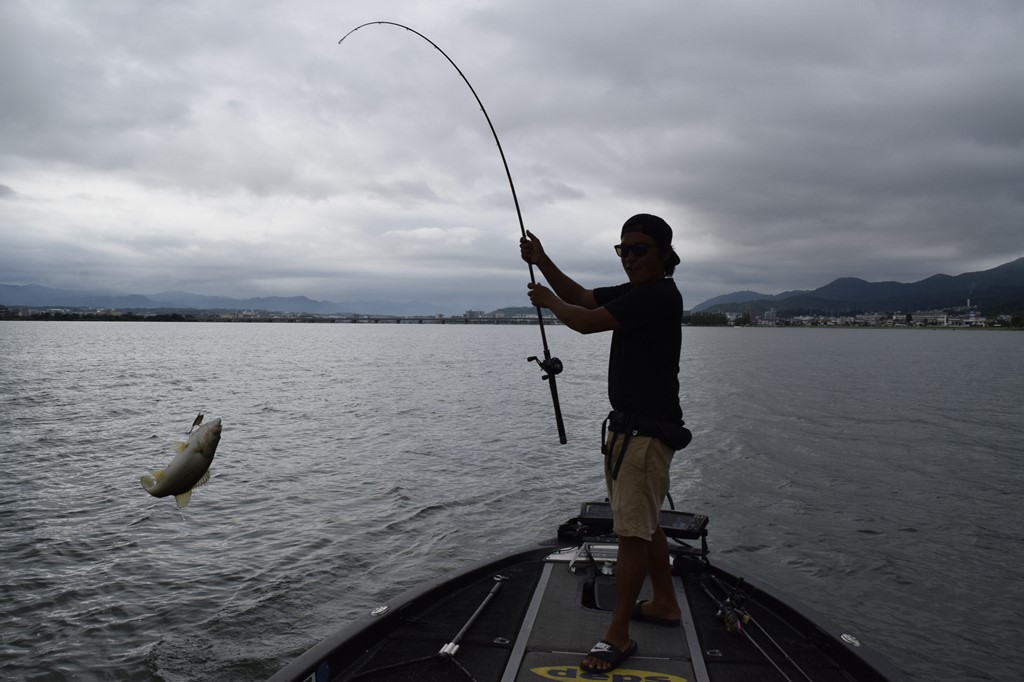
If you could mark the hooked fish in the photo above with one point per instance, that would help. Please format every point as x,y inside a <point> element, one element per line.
<point>189,469</point>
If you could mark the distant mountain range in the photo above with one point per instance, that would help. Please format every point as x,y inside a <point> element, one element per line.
<point>996,291</point>
<point>34,296</point>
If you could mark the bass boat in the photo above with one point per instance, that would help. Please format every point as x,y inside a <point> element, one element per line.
<point>534,614</point>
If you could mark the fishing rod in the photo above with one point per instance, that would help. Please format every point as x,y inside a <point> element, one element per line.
<point>452,647</point>
<point>736,602</point>
<point>733,623</point>
<point>550,365</point>
<point>427,667</point>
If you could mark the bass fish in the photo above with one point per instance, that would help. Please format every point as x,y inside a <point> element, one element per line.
<point>190,468</point>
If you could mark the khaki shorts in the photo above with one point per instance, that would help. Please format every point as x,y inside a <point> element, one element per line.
<point>638,492</point>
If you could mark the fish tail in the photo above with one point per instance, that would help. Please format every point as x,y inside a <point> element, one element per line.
<point>150,480</point>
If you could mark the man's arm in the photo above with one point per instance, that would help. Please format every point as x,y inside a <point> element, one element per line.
<point>568,290</point>
<point>578,318</point>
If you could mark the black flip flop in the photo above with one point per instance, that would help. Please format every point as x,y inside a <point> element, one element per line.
<point>611,654</point>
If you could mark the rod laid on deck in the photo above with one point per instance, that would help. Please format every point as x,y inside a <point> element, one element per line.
<point>452,647</point>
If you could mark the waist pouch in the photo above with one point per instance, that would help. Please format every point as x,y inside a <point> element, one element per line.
<point>674,434</point>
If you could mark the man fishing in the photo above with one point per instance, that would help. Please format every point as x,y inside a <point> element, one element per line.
<point>645,427</point>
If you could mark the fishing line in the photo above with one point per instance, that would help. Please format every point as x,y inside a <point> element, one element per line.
<point>550,365</point>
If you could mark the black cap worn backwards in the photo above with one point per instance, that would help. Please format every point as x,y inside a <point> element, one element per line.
<point>654,227</point>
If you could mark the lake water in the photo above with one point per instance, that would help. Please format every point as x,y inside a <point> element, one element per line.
<point>875,474</point>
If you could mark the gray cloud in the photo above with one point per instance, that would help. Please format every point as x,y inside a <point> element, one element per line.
<point>237,149</point>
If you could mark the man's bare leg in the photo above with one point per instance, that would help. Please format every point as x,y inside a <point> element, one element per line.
<point>630,571</point>
<point>663,602</point>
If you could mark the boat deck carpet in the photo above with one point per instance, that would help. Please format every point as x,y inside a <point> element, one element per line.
<point>567,626</point>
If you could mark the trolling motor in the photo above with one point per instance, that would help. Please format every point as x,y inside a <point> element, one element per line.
<point>552,366</point>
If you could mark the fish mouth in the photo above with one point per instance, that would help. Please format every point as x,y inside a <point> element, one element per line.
<point>213,434</point>
<point>209,437</point>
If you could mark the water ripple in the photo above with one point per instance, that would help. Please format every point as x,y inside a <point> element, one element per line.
<point>358,461</point>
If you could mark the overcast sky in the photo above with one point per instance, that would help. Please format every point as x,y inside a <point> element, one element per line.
<point>231,147</point>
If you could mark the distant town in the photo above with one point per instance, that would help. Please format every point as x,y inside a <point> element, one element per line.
<point>963,317</point>
<point>991,298</point>
<point>196,315</point>
<point>952,318</point>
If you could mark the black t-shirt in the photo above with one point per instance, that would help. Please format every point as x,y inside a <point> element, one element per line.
<point>643,367</point>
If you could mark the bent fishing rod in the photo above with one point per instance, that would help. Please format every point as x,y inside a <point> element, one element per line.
<point>550,365</point>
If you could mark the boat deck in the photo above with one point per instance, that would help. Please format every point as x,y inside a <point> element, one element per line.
<point>544,619</point>
<point>534,615</point>
<point>565,628</point>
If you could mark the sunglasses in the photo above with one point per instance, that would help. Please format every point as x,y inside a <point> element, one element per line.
<point>639,249</point>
